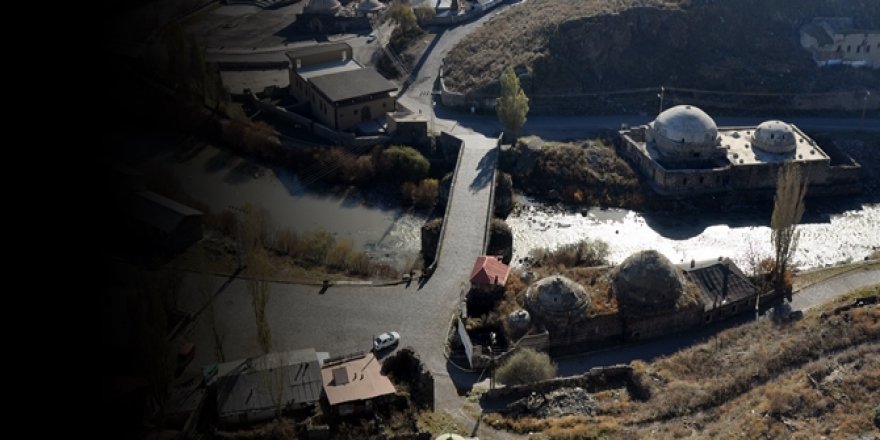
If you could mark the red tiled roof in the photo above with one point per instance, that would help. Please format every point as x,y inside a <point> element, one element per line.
<point>489,270</point>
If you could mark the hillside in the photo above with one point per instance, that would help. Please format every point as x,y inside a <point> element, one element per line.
<point>598,46</point>
<point>766,379</point>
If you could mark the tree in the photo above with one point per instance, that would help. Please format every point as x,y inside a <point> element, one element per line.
<point>513,104</point>
<point>788,208</point>
<point>424,14</point>
<point>526,366</point>
<point>403,164</point>
<point>403,15</point>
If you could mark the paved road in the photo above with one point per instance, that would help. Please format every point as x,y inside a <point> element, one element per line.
<point>809,297</point>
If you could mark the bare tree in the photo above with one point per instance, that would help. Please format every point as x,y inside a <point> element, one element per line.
<point>788,208</point>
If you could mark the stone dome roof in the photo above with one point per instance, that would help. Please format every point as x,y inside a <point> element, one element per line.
<point>323,6</point>
<point>683,130</point>
<point>774,137</point>
<point>370,6</point>
<point>556,301</point>
<point>647,282</point>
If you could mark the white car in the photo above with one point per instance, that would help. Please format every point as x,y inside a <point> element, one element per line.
<point>371,38</point>
<point>385,340</point>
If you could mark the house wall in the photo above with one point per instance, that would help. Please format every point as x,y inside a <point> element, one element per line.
<point>347,116</point>
<point>647,327</point>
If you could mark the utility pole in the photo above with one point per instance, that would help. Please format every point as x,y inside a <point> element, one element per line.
<point>492,361</point>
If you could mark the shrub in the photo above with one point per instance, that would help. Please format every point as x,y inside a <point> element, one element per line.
<point>586,252</point>
<point>422,195</point>
<point>526,366</point>
<point>403,164</point>
<point>424,14</point>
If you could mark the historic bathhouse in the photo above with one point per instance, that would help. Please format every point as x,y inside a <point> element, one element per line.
<point>683,153</point>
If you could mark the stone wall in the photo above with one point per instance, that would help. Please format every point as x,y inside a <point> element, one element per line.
<point>594,380</point>
<point>647,327</point>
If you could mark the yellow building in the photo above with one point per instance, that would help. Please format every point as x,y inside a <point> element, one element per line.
<point>340,91</point>
<point>835,40</point>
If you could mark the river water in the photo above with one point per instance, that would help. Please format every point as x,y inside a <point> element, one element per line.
<point>391,234</point>
<point>825,238</point>
<point>378,226</point>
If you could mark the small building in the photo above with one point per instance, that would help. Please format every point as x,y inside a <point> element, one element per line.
<point>725,290</point>
<point>355,384</point>
<point>340,91</point>
<point>836,41</point>
<point>163,223</point>
<point>247,389</point>
<point>683,153</point>
<point>489,273</point>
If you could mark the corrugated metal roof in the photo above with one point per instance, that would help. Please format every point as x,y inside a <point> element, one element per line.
<point>710,278</point>
<point>251,387</point>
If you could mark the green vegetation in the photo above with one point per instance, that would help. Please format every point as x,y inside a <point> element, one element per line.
<point>424,14</point>
<point>513,104</point>
<point>588,173</point>
<point>421,195</point>
<point>402,14</point>
<point>584,253</point>
<point>402,164</point>
<point>526,366</point>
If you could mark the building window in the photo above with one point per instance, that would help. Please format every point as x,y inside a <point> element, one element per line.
<point>344,55</point>
<point>701,180</point>
<point>848,48</point>
<point>299,63</point>
<point>384,104</point>
<point>839,49</point>
<point>867,49</point>
<point>858,49</point>
<point>355,112</point>
<point>684,181</point>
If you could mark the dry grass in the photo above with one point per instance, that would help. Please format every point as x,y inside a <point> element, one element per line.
<point>519,37</point>
<point>820,375</point>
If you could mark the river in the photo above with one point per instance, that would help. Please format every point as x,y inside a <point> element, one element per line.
<point>825,238</point>
<point>377,225</point>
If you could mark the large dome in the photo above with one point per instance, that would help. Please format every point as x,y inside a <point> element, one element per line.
<point>774,137</point>
<point>684,132</point>
<point>323,6</point>
<point>557,302</point>
<point>647,282</point>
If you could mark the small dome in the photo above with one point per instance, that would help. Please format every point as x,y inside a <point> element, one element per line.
<point>370,6</point>
<point>323,6</point>
<point>774,137</point>
<point>647,282</point>
<point>682,131</point>
<point>557,301</point>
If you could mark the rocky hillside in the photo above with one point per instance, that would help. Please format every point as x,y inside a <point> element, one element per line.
<point>590,45</point>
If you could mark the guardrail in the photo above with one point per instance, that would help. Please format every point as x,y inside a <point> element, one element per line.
<point>490,214</point>
<point>448,209</point>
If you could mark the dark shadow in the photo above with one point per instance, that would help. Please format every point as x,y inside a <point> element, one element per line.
<point>486,168</point>
<point>323,289</point>
<point>477,425</point>
<point>219,161</point>
<point>243,172</point>
<point>462,380</point>
<point>421,62</point>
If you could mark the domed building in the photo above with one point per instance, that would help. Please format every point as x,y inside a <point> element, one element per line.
<point>774,137</point>
<point>683,153</point>
<point>684,133</point>
<point>556,302</point>
<point>647,283</point>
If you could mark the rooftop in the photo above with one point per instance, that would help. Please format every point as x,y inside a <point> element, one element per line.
<point>352,84</point>
<point>720,282</point>
<point>738,143</point>
<point>316,49</point>
<point>489,270</point>
<point>247,387</point>
<point>159,211</point>
<point>317,70</point>
<point>355,379</point>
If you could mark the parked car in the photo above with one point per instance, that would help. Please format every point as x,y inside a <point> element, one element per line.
<point>371,38</point>
<point>385,340</point>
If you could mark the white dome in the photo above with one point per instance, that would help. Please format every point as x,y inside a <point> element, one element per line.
<point>684,132</point>
<point>323,6</point>
<point>370,6</point>
<point>774,137</point>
